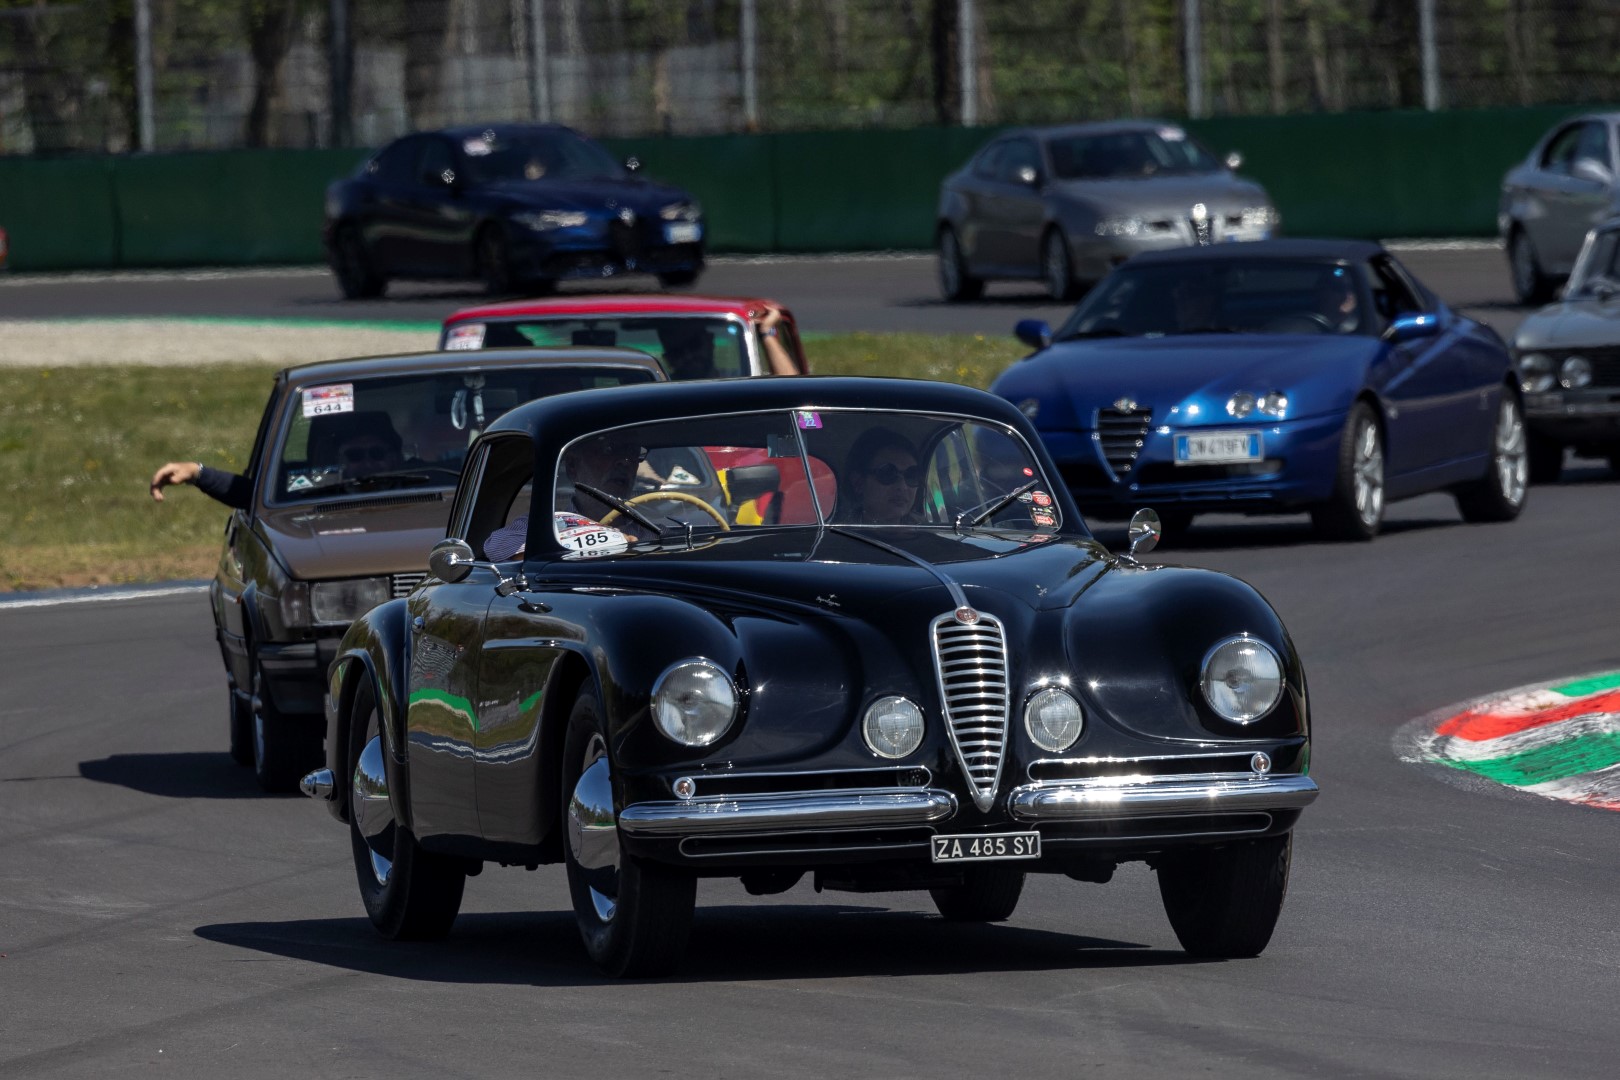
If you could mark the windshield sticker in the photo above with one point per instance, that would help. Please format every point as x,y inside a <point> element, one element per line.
<point>1040,498</point>
<point>1028,471</point>
<point>325,400</point>
<point>465,336</point>
<point>1172,134</point>
<point>1041,517</point>
<point>582,535</point>
<point>808,421</point>
<point>299,482</point>
<point>680,475</point>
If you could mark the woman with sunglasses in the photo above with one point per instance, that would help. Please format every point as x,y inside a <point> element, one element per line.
<point>883,479</point>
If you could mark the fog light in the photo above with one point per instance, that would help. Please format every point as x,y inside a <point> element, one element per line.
<point>686,787</point>
<point>1260,763</point>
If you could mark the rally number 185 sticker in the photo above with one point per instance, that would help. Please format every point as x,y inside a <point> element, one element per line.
<point>582,536</point>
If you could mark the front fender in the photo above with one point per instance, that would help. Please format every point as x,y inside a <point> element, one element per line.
<point>375,648</point>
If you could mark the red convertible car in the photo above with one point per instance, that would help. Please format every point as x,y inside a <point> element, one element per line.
<point>694,337</point>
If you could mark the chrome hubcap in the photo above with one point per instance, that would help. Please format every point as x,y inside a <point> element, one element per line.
<point>1512,453</point>
<point>947,263</point>
<point>593,833</point>
<point>373,815</point>
<point>1057,267</point>
<point>1369,474</point>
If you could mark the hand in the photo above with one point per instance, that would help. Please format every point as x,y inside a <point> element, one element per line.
<point>175,472</point>
<point>769,321</point>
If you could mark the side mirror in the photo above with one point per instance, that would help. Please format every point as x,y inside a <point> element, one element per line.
<point>1028,175</point>
<point>1412,327</point>
<point>451,560</point>
<point>1145,531</point>
<point>1033,332</point>
<point>1234,160</point>
<point>1604,289</point>
<point>1592,169</point>
<point>632,163</point>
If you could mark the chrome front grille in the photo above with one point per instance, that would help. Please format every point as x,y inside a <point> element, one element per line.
<point>1122,434</point>
<point>971,662</point>
<point>403,583</point>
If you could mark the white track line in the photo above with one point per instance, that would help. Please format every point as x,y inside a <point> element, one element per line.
<point>100,597</point>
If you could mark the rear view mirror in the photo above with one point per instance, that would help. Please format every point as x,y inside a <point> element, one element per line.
<point>1033,332</point>
<point>451,560</point>
<point>1592,169</point>
<point>1145,531</point>
<point>1028,175</point>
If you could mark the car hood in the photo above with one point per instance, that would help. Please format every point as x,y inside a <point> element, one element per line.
<point>643,196</point>
<point>1316,371</point>
<point>356,539</point>
<point>1169,196</point>
<point>1586,322</point>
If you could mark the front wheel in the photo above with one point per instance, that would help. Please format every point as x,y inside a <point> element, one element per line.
<point>1499,496</point>
<point>1356,509</point>
<point>634,916</point>
<point>1223,903</point>
<point>955,283</point>
<point>241,727</point>
<point>987,894</point>
<point>677,279</point>
<point>1529,283</point>
<point>1057,270</point>
<point>494,262</point>
<point>357,275</point>
<point>285,745</point>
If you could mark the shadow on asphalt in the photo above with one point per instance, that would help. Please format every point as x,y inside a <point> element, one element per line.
<point>737,943</point>
<point>177,776</point>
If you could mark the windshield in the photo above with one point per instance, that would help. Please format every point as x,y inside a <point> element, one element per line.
<point>555,155</point>
<point>1599,260</point>
<point>1122,155</point>
<point>1244,296</point>
<point>689,347</point>
<point>410,431</point>
<point>856,468</point>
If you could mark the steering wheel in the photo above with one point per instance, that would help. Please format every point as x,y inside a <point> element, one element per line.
<point>671,496</point>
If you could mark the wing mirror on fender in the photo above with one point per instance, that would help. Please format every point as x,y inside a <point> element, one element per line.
<point>1033,332</point>
<point>451,560</point>
<point>1412,327</point>
<point>1144,532</point>
<point>632,163</point>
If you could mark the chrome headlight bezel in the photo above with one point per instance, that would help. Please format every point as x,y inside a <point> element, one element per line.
<point>336,603</point>
<point>1042,734</point>
<point>1575,373</point>
<point>893,743</point>
<point>1536,373</point>
<point>1214,674</point>
<point>550,220</point>
<point>694,702</point>
<point>1273,403</point>
<point>1240,404</point>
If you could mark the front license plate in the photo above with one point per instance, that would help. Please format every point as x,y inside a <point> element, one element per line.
<point>980,847</point>
<point>685,232</point>
<point>1218,448</point>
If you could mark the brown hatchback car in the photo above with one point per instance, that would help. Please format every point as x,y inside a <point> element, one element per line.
<point>352,473</point>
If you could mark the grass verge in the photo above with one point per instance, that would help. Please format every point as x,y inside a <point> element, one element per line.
<point>78,447</point>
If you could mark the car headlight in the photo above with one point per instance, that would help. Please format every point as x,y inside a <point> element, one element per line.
<point>346,601</point>
<point>546,220</point>
<point>1274,404</point>
<point>1119,226</point>
<point>1575,373</point>
<point>694,702</point>
<point>1535,373</point>
<point>893,727</point>
<point>681,211</point>
<point>1259,217</point>
<point>1240,404</point>
<point>1242,679</point>
<point>1053,719</point>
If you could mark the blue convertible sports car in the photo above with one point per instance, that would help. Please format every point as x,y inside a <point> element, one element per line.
<point>1270,377</point>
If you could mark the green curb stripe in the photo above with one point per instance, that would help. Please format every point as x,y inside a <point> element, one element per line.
<point>451,701</point>
<point>1589,753</point>
<point>1589,686</point>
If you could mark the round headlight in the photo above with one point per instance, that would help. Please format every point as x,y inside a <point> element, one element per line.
<point>1053,719</point>
<point>1240,404</point>
<point>1535,373</point>
<point>694,702</point>
<point>1575,373</point>
<point>1274,404</point>
<point>1242,679</point>
<point>893,727</point>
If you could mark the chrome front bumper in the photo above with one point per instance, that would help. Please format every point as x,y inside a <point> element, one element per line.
<point>1115,798</point>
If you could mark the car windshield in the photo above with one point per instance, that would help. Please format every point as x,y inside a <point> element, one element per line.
<point>1599,261</point>
<point>1243,296</point>
<point>553,155</point>
<point>689,347</point>
<point>407,431</point>
<point>857,468</point>
<point>1124,155</point>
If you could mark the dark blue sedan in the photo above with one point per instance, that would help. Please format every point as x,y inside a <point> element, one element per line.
<point>520,206</point>
<point>1271,377</point>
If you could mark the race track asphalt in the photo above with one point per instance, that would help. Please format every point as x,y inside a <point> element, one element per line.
<point>158,914</point>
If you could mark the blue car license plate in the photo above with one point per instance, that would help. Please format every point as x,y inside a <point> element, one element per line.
<point>1218,448</point>
<point>981,847</point>
<point>683,232</point>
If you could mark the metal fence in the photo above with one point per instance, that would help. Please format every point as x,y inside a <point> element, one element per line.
<point>120,75</point>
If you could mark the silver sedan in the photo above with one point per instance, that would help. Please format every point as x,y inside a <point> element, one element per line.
<point>1552,198</point>
<point>1065,205</point>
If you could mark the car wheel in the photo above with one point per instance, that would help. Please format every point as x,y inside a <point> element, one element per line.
<point>1356,509</point>
<point>678,278</point>
<point>987,894</point>
<point>1546,459</point>
<point>1529,283</point>
<point>241,727</point>
<point>409,894</point>
<point>955,283</point>
<point>1614,462</point>
<point>1500,495</point>
<point>1056,269</point>
<point>634,916</point>
<point>356,275</point>
<point>1224,902</point>
<point>494,262</point>
<point>285,745</point>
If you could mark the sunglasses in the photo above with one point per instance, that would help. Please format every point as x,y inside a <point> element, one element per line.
<point>890,474</point>
<point>354,455</point>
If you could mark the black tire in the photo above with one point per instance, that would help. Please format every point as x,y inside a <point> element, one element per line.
<point>494,261</point>
<point>1546,459</point>
<point>679,278</point>
<point>1224,902</point>
<point>987,894</point>
<point>1614,462</point>
<point>642,928</point>
<point>356,273</point>
<point>1499,495</point>
<point>1530,285</point>
<point>285,745</point>
<point>1057,269</point>
<point>419,895</point>
<point>241,727</point>
<point>955,283</point>
<point>1356,508</point>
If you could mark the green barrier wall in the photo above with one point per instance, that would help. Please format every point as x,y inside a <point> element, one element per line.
<point>1347,174</point>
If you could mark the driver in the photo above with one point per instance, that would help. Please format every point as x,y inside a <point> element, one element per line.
<point>607,463</point>
<point>1336,301</point>
<point>688,349</point>
<point>1195,304</point>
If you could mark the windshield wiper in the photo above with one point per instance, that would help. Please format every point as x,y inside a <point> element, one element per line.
<point>420,474</point>
<point>620,505</point>
<point>1210,330</point>
<point>1101,331</point>
<point>996,507</point>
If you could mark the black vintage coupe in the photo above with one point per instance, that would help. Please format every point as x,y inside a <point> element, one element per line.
<point>851,628</point>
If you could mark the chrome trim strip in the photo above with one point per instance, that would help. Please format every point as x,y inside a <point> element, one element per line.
<point>792,811</point>
<point>1111,798</point>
